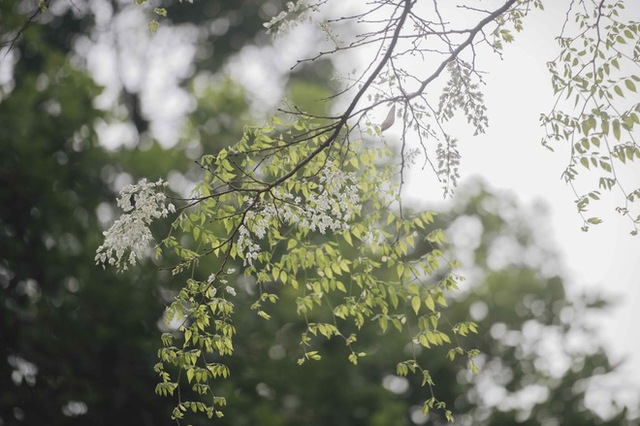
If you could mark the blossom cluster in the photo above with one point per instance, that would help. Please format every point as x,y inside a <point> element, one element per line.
<point>227,288</point>
<point>142,203</point>
<point>286,20</point>
<point>329,207</point>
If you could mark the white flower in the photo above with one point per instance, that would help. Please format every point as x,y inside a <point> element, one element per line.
<point>230,290</point>
<point>285,21</point>
<point>246,246</point>
<point>275,20</point>
<point>142,204</point>
<point>327,208</point>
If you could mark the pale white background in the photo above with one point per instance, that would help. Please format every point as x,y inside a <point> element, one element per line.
<point>606,259</point>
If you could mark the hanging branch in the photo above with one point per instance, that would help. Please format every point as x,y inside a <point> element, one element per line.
<point>308,201</point>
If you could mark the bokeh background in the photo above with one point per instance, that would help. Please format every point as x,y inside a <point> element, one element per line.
<point>91,101</point>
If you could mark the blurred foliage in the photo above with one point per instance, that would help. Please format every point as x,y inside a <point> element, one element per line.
<point>70,332</point>
<point>227,25</point>
<point>79,343</point>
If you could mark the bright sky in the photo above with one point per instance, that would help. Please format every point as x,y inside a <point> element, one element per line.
<point>606,259</point>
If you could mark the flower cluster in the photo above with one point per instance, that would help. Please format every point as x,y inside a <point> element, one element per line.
<point>286,20</point>
<point>246,246</point>
<point>329,207</point>
<point>227,288</point>
<point>142,204</point>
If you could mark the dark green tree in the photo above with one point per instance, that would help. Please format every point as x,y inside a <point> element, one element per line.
<point>78,343</point>
<point>77,340</point>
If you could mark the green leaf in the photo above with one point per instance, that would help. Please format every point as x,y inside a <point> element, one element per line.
<point>585,162</point>
<point>430,303</point>
<point>402,369</point>
<point>423,341</point>
<point>384,323</point>
<point>400,269</point>
<point>449,416</point>
<point>618,90</point>
<point>425,410</point>
<point>161,11</point>
<point>630,85</point>
<point>616,129</point>
<point>436,237</point>
<point>153,25</point>
<point>415,304</point>
<point>390,219</point>
<point>353,359</point>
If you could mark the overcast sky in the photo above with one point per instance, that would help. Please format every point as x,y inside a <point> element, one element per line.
<point>509,156</point>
